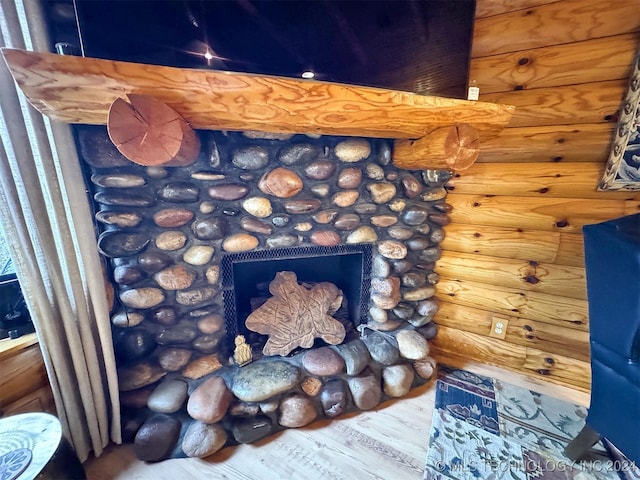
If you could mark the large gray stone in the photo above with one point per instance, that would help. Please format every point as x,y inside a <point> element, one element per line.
<point>259,381</point>
<point>157,437</point>
<point>365,390</point>
<point>201,440</point>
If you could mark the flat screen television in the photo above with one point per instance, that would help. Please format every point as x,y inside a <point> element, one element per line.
<point>421,46</point>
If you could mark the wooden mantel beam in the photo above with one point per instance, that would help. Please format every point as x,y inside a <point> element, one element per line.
<point>81,90</point>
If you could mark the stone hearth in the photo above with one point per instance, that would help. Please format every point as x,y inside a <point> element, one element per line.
<point>166,232</point>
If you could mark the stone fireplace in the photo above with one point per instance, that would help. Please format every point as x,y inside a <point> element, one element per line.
<point>191,249</point>
<point>355,220</point>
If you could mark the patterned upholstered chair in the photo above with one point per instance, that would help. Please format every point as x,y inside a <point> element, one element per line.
<point>612,259</point>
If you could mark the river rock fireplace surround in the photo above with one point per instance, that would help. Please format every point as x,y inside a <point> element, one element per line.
<point>174,236</point>
<point>290,173</point>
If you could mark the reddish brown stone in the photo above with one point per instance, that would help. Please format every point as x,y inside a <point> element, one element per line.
<point>176,277</point>
<point>325,216</point>
<point>172,217</point>
<point>326,238</point>
<point>306,205</point>
<point>228,191</point>
<point>202,366</point>
<point>320,170</point>
<point>350,178</point>
<point>440,218</point>
<point>410,186</point>
<point>255,226</point>
<point>384,220</point>
<point>323,361</point>
<point>281,182</point>
<point>209,401</point>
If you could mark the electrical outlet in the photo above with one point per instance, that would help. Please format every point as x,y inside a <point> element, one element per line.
<point>499,328</point>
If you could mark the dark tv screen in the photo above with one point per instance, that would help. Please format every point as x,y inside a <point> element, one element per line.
<point>421,46</point>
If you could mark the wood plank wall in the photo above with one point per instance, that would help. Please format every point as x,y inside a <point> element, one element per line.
<point>514,248</point>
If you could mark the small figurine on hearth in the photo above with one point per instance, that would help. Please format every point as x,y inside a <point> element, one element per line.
<point>242,352</point>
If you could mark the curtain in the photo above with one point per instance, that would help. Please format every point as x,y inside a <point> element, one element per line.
<point>47,219</point>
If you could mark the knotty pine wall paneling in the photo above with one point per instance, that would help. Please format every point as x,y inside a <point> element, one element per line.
<point>513,250</point>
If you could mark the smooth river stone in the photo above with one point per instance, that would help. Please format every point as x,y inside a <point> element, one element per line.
<point>228,191</point>
<point>258,207</point>
<point>381,192</point>
<point>210,401</point>
<point>259,381</point>
<point>173,359</point>
<point>196,295</point>
<point>303,226</point>
<point>122,244</point>
<point>172,217</point>
<point>345,198</point>
<point>397,380</point>
<point>126,275</point>
<point>410,186</point>
<point>382,349</point>
<point>156,172</point>
<point>414,215</point>
<point>176,277</point>
<point>121,199</point>
<point>400,233</point>
<point>179,192</point>
<point>441,219</point>
<point>378,315</point>
<point>208,176</point>
<point>413,279</point>
<point>433,195</point>
<point>423,229</point>
<point>280,182</point>
<point>392,176</point>
<point>392,249</point>
<point>402,266</point>
<point>427,308</point>
<point>374,172</point>
<point>257,134</point>
<point>249,430</point>
<point>250,158</point>
<point>298,153</point>
<point>210,324</point>
<point>425,368</point>
<point>119,219</point>
<point>176,335</point>
<point>164,315</point>
<point>118,180</point>
<point>384,220</point>
<point>417,243</point>
<point>320,170</point>
<point>325,216</point>
<point>397,205</point>
<point>281,220</point>
<point>365,208</point>
<point>207,207</point>
<point>152,261</point>
<point>350,178</point>
<point>404,310</point>
<point>240,242</point>
<point>363,234</point>
<point>139,375</point>
<point>156,438</point>
<point>380,267</point>
<point>201,440</point>
<point>385,286</point>
<point>333,397</point>
<point>356,356</point>
<point>133,344</point>
<point>352,150</point>
<point>321,190</point>
<point>281,241</point>
<point>168,397</point>
<point>412,345</point>
<point>431,176</point>
<point>301,206</point>
<point>311,386</point>
<point>442,207</point>
<point>127,319</point>
<point>206,343</point>
<point>172,240</point>
<point>209,228</point>
<point>256,226</point>
<point>325,238</point>
<point>365,390</point>
<point>296,411</point>
<point>384,154</point>
<point>418,294</point>
<point>437,235</point>
<point>145,297</point>
<point>322,361</point>
<point>431,254</point>
<point>347,221</point>
<point>213,274</point>
<point>198,255</point>
<point>202,366</point>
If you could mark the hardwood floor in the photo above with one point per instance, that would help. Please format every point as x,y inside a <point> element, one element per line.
<point>389,442</point>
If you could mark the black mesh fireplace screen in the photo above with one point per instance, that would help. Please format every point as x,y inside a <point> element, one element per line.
<point>246,276</point>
